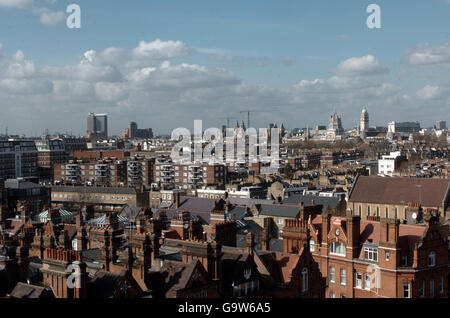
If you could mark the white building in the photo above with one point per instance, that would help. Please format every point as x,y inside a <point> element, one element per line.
<point>388,164</point>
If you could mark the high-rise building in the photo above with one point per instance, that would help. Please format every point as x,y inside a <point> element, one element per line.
<point>441,125</point>
<point>97,125</point>
<point>404,128</point>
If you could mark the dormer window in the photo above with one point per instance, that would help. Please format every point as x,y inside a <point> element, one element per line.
<point>432,259</point>
<point>337,248</point>
<point>371,254</point>
<point>405,261</point>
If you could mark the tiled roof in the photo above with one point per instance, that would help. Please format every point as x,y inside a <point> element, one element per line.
<point>431,192</point>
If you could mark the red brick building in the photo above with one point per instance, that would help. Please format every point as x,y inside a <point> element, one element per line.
<point>375,258</point>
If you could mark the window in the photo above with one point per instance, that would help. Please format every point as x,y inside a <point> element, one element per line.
<point>305,279</point>
<point>332,295</point>
<point>432,288</point>
<point>343,276</point>
<point>358,280</point>
<point>337,248</point>
<point>422,289</point>
<point>432,259</point>
<point>312,247</point>
<point>441,285</point>
<point>332,275</point>
<point>387,212</point>
<point>406,291</point>
<point>371,254</point>
<point>367,281</point>
<point>405,261</point>
<point>387,256</point>
<point>368,210</point>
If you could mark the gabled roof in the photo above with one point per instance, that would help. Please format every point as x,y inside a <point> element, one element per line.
<point>280,266</point>
<point>23,290</point>
<point>393,190</point>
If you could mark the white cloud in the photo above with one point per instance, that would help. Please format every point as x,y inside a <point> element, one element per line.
<point>430,92</point>
<point>168,93</point>
<point>16,3</point>
<point>359,66</point>
<point>52,18</point>
<point>159,50</point>
<point>26,86</point>
<point>429,55</point>
<point>46,15</point>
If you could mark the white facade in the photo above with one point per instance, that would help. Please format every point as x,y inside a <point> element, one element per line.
<point>387,164</point>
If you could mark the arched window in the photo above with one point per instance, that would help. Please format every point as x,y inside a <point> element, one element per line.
<point>432,259</point>
<point>305,282</point>
<point>337,248</point>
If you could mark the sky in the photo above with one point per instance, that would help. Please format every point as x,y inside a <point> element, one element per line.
<point>164,64</point>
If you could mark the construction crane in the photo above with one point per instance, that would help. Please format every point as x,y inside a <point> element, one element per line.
<point>253,111</point>
<point>228,120</point>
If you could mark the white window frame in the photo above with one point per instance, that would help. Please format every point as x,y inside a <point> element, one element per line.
<point>343,277</point>
<point>408,290</point>
<point>358,280</point>
<point>332,275</point>
<point>432,259</point>
<point>366,281</point>
<point>333,249</point>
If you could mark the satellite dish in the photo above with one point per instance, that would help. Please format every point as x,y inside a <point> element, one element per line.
<point>414,215</point>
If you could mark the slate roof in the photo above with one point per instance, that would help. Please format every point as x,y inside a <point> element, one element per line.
<point>279,210</point>
<point>129,212</point>
<point>109,190</point>
<point>21,184</point>
<point>237,212</point>
<point>23,290</point>
<point>195,204</point>
<point>393,190</point>
<point>105,284</point>
<point>307,200</point>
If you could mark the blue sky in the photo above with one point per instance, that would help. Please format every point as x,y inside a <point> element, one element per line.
<point>263,49</point>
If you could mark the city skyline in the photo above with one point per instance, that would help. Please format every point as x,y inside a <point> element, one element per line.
<point>163,73</point>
